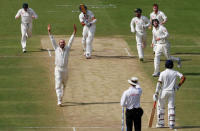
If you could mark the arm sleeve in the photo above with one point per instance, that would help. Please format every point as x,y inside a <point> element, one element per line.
<point>18,14</point>
<point>154,38</point>
<point>165,32</point>
<point>53,42</point>
<point>70,41</point>
<point>164,17</point>
<point>147,22</point>
<point>132,25</point>
<point>34,14</point>
<point>123,100</point>
<point>81,18</point>
<point>179,74</point>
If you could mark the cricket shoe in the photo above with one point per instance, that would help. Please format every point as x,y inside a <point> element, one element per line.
<point>171,127</point>
<point>160,125</point>
<point>179,63</point>
<point>24,50</point>
<point>88,56</point>
<point>59,104</point>
<point>141,59</point>
<point>156,74</point>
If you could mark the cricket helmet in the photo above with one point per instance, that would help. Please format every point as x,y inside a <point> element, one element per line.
<point>138,10</point>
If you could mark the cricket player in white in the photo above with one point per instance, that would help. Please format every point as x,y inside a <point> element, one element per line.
<point>27,16</point>
<point>157,14</point>
<point>139,24</point>
<point>165,91</point>
<point>88,21</point>
<point>61,62</point>
<point>160,35</point>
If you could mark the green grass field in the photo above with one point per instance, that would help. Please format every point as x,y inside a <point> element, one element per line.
<point>26,97</point>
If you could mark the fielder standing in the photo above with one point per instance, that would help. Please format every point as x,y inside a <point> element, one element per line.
<point>88,21</point>
<point>131,101</point>
<point>61,62</point>
<point>160,35</point>
<point>165,90</point>
<point>139,24</point>
<point>157,14</point>
<point>27,15</point>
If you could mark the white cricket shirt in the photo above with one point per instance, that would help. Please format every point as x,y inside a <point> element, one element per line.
<point>87,17</point>
<point>61,55</point>
<point>168,79</point>
<point>139,24</point>
<point>26,16</point>
<point>131,97</point>
<point>160,32</point>
<point>159,15</point>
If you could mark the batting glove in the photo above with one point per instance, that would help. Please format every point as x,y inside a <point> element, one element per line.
<point>177,87</point>
<point>155,97</point>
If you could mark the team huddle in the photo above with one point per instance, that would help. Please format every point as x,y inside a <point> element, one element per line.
<point>166,86</point>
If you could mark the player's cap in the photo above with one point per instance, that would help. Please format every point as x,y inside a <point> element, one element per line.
<point>169,64</point>
<point>133,81</point>
<point>25,5</point>
<point>138,10</point>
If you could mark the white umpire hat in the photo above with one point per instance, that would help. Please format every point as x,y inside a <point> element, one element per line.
<point>133,81</point>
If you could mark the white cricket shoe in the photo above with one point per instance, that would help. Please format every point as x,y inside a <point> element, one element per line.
<point>24,50</point>
<point>88,56</point>
<point>160,126</point>
<point>179,63</point>
<point>156,74</point>
<point>60,103</point>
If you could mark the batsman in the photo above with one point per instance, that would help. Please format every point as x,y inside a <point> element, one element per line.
<point>88,21</point>
<point>165,91</point>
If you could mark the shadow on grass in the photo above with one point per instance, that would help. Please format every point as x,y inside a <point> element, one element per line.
<point>187,53</point>
<point>192,74</point>
<point>186,127</point>
<point>151,60</point>
<point>89,103</point>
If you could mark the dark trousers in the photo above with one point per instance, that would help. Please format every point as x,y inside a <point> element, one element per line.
<point>134,116</point>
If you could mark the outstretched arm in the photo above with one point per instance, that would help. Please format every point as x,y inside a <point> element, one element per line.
<point>51,37</point>
<point>72,37</point>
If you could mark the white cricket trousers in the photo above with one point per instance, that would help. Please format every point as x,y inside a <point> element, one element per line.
<point>165,49</point>
<point>170,97</point>
<point>88,36</point>
<point>140,40</point>
<point>26,30</point>
<point>60,81</point>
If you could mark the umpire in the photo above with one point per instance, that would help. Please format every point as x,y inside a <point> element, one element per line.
<point>131,100</point>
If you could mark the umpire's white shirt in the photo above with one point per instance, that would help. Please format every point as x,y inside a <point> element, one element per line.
<point>159,15</point>
<point>131,97</point>
<point>140,24</point>
<point>160,32</point>
<point>168,79</point>
<point>26,16</point>
<point>61,55</point>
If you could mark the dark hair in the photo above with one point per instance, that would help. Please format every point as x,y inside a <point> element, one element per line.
<point>155,20</point>
<point>138,10</point>
<point>84,7</point>
<point>169,64</point>
<point>25,5</point>
<point>155,5</point>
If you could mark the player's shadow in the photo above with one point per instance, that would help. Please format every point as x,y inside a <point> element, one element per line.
<point>192,74</point>
<point>40,50</point>
<point>186,127</point>
<point>151,60</point>
<point>117,57</point>
<point>87,103</point>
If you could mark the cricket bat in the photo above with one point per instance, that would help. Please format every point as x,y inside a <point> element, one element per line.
<point>152,114</point>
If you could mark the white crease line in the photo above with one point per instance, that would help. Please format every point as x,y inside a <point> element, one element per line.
<point>74,129</point>
<point>127,52</point>
<point>49,52</point>
<point>175,130</point>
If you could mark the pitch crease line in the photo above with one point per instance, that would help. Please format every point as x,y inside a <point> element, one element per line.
<point>127,51</point>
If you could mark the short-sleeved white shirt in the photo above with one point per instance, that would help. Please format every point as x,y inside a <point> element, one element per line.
<point>160,16</point>
<point>86,17</point>
<point>26,16</point>
<point>131,97</point>
<point>168,79</point>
